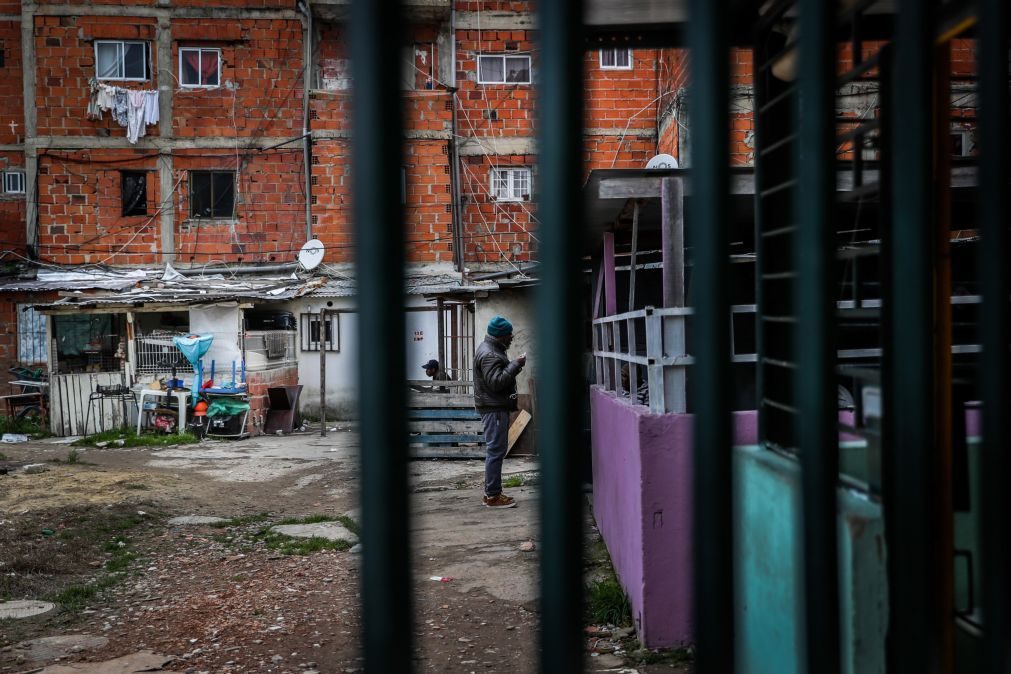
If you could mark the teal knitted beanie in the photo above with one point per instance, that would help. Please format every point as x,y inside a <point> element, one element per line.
<point>499,327</point>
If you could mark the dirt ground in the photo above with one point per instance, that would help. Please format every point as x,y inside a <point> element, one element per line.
<point>94,535</point>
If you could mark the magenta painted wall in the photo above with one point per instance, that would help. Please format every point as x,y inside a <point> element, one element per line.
<point>642,503</point>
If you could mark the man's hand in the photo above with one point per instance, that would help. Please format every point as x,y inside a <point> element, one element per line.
<point>522,360</point>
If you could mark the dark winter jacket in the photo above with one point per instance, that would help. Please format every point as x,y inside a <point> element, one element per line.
<point>494,378</point>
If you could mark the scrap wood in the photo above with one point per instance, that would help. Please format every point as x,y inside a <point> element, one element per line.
<point>517,428</point>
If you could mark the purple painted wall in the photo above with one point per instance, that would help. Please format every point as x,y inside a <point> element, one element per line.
<point>642,503</point>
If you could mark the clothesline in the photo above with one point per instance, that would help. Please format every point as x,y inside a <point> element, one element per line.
<point>133,109</point>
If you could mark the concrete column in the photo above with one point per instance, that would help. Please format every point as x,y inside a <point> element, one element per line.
<point>166,88</point>
<point>31,126</point>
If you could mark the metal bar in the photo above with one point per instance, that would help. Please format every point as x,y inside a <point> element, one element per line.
<point>673,241</point>
<point>995,333</point>
<point>654,371</point>
<point>814,379</point>
<point>635,246</point>
<point>779,231</point>
<point>860,68</point>
<point>914,637</point>
<point>560,115</point>
<point>713,522</point>
<point>610,280</point>
<point>776,100</point>
<point>772,147</point>
<point>322,372</point>
<point>861,129</point>
<point>376,152</point>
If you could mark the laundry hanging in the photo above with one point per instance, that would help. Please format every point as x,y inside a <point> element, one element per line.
<point>131,108</point>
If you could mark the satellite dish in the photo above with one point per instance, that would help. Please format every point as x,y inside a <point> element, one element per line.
<point>311,254</point>
<point>662,161</point>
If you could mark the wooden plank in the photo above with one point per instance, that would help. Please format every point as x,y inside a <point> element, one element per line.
<point>429,438</point>
<point>445,426</point>
<point>517,428</point>
<point>447,452</point>
<point>439,400</point>
<point>459,413</point>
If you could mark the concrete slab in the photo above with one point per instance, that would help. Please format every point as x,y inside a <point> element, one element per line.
<point>48,648</point>
<point>142,661</point>
<point>24,608</point>
<point>332,531</point>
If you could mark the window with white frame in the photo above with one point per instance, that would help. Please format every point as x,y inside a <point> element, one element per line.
<point>14,182</point>
<point>510,184</point>
<point>503,69</point>
<point>309,325</point>
<point>121,60</point>
<point>199,68</point>
<point>33,345</point>
<point>616,58</point>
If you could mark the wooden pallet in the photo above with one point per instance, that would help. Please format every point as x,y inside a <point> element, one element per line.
<point>444,426</point>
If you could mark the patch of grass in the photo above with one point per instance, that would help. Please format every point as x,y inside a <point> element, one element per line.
<point>3,457</point>
<point>241,521</point>
<point>73,456</point>
<point>28,426</point>
<point>677,656</point>
<point>513,481</point>
<point>351,525</point>
<point>288,545</point>
<point>607,603</point>
<point>309,519</point>
<point>129,438</point>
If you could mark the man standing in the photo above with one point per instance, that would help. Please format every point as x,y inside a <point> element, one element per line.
<point>494,399</point>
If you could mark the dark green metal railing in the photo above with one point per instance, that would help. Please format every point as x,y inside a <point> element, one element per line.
<point>713,544</point>
<point>995,370</point>
<point>815,343</point>
<point>382,402</point>
<point>559,341</point>
<point>796,244</point>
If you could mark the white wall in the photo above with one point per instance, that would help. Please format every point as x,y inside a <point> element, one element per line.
<point>516,306</point>
<point>420,338</point>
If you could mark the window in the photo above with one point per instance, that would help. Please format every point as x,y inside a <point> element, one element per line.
<point>199,67</point>
<point>309,329</point>
<point>616,59</point>
<point>510,184</point>
<point>116,60</point>
<point>134,184</point>
<point>33,346</point>
<point>960,143</point>
<point>14,182</point>
<point>212,194</point>
<point>503,69</point>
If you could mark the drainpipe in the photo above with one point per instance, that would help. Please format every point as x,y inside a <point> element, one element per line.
<point>454,156</point>
<point>306,132</point>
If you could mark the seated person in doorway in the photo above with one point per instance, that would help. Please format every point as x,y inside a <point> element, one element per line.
<point>436,373</point>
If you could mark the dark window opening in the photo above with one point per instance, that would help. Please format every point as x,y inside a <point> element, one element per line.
<point>134,185</point>
<point>212,194</point>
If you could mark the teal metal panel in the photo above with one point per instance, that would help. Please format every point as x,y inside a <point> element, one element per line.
<point>559,322</point>
<point>768,606</point>
<point>379,235</point>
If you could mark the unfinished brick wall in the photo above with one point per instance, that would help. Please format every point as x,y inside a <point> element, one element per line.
<point>257,383</point>
<point>620,111</point>
<point>12,110</point>
<point>261,77</point>
<point>496,231</point>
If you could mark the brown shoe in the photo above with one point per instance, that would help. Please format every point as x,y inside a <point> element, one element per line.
<point>499,501</point>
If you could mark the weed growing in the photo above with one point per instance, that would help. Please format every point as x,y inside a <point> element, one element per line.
<point>129,438</point>
<point>607,603</point>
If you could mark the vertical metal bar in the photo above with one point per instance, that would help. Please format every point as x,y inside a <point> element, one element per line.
<point>814,260</point>
<point>610,279</point>
<point>673,241</point>
<point>440,337</point>
<point>558,317</point>
<point>632,259</point>
<point>654,371</point>
<point>914,636</point>
<point>713,540</point>
<point>376,146</point>
<point>995,333</point>
<point>322,372</point>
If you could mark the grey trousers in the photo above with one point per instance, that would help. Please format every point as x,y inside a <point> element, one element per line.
<point>496,437</point>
